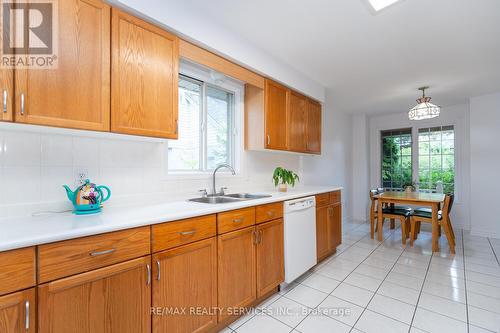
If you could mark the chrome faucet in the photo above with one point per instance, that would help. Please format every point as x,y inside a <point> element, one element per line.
<point>220,166</point>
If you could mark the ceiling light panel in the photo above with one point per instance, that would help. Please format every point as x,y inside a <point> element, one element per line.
<point>381,4</point>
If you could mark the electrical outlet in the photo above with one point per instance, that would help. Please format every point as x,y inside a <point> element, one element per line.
<point>80,176</point>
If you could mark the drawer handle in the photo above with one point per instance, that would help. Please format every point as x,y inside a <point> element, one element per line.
<point>148,268</point>
<point>27,318</point>
<point>239,220</point>
<point>187,233</point>
<point>100,253</point>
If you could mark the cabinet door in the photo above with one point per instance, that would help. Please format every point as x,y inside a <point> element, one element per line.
<point>270,256</point>
<point>313,127</point>
<point>276,100</point>
<point>236,269</point>
<point>334,226</point>
<point>18,312</point>
<point>76,93</point>
<point>112,299</point>
<point>322,248</point>
<point>297,122</point>
<point>145,69</point>
<point>6,94</point>
<point>186,278</point>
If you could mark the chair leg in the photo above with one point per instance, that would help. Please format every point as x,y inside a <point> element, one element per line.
<point>439,230</point>
<point>393,223</point>
<point>372,227</point>
<point>418,229</point>
<point>447,232</point>
<point>451,228</point>
<point>404,230</point>
<point>413,232</point>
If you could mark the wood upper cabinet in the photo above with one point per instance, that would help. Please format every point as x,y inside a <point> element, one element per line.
<point>270,256</point>
<point>275,109</point>
<point>18,312</point>
<point>6,94</point>
<point>236,269</point>
<point>313,127</point>
<point>144,85</point>
<point>186,278</point>
<point>322,246</point>
<point>297,113</point>
<point>77,93</point>
<point>116,298</point>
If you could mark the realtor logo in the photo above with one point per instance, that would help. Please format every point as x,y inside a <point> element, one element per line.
<point>29,34</point>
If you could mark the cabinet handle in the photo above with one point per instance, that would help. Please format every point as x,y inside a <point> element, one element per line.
<point>148,268</point>
<point>255,236</point>
<point>260,236</point>
<point>239,220</point>
<point>268,139</point>
<point>22,104</point>
<point>5,101</point>
<point>186,233</point>
<point>27,318</point>
<point>100,253</point>
<point>158,273</point>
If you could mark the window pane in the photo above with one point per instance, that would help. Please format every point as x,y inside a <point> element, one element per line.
<point>184,153</point>
<point>396,158</point>
<point>219,106</point>
<point>436,160</point>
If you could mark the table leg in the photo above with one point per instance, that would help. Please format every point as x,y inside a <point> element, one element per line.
<point>393,221</point>
<point>435,228</point>
<point>380,221</point>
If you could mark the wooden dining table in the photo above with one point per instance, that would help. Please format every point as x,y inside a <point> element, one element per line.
<point>431,200</point>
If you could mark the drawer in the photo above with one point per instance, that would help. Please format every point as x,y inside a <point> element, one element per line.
<point>235,219</point>
<point>335,197</point>
<point>268,212</point>
<point>322,199</point>
<point>17,270</point>
<point>172,234</point>
<point>79,255</point>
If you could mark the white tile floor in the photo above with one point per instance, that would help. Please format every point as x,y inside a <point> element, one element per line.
<point>374,287</point>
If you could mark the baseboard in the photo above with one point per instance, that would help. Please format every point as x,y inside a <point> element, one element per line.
<point>487,234</point>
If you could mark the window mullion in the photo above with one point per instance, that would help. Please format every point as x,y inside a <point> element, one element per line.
<point>204,144</point>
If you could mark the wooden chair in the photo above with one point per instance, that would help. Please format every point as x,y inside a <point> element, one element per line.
<point>425,215</point>
<point>394,213</point>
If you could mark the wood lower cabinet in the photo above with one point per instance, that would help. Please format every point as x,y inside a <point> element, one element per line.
<point>18,312</point>
<point>6,94</point>
<point>270,256</point>
<point>275,110</point>
<point>76,94</point>
<point>144,85</point>
<point>185,278</point>
<point>116,298</point>
<point>322,246</point>
<point>236,269</point>
<point>328,224</point>
<point>313,127</point>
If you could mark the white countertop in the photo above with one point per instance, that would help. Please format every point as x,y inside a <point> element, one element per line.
<point>28,231</point>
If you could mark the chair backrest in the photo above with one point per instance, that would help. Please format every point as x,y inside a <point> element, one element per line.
<point>448,203</point>
<point>452,198</point>
<point>373,200</point>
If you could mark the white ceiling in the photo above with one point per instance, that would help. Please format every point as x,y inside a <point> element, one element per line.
<point>375,63</point>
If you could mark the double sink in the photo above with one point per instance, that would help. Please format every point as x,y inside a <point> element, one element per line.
<point>227,198</point>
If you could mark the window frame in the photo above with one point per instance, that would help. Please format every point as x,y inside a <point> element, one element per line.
<point>402,131</point>
<point>203,75</point>
<point>415,151</point>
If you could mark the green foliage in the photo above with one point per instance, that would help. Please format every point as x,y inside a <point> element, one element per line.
<point>284,176</point>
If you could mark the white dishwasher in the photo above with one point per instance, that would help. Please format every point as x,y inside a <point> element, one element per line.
<point>300,237</point>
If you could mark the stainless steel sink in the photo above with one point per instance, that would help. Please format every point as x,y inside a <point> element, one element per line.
<point>214,200</point>
<point>227,198</point>
<point>247,196</point>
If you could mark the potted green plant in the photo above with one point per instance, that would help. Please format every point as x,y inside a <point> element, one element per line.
<point>409,186</point>
<point>282,177</point>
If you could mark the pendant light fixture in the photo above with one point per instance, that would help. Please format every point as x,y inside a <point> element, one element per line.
<point>424,109</point>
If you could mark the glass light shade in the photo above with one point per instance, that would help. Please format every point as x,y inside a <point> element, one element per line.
<point>424,110</point>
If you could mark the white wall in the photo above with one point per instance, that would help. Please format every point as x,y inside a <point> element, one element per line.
<point>457,115</point>
<point>485,163</point>
<point>360,167</point>
<point>179,17</point>
<point>333,167</point>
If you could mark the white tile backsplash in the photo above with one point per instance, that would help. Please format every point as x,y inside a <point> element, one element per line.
<point>34,166</point>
